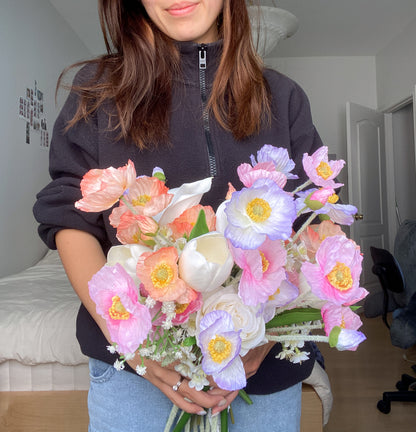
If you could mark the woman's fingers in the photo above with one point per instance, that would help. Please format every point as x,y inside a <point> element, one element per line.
<point>228,399</point>
<point>200,398</point>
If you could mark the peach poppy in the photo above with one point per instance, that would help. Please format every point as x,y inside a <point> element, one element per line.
<point>158,272</point>
<point>184,224</point>
<point>147,196</point>
<point>134,229</point>
<point>102,188</point>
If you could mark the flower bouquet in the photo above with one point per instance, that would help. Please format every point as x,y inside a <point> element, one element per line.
<point>200,288</point>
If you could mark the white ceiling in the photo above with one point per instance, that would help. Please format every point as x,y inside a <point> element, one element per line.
<point>326,27</point>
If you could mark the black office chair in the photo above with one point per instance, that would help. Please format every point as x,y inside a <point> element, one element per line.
<point>388,270</point>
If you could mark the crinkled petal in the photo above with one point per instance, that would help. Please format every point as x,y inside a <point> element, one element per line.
<point>233,377</point>
<point>349,340</point>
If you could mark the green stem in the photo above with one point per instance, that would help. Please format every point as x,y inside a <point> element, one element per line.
<point>224,421</point>
<point>303,227</point>
<point>303,186</point>
<point>183,420</point>
<point>128,205</point>
<point>305,338</point>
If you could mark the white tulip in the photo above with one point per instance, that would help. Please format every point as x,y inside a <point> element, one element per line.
<point>206,262</point>
<point>184,197</point>
<point>127,256</point>
<point>221,217</point>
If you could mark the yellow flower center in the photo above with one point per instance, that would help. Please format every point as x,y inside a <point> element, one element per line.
<point>264,262</point>
<point>324,170</point>
<point>340,277</point>
<point>342,325</point>
<point>162,275</point>
<point>258,210</point>
<point>142,200</point>
<point>272,297</point>
<point>219,348</point>
<point>333,199</point>
<point>117,311</point>
<point>180,308</point>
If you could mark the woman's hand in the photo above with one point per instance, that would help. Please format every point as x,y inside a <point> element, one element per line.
<point>186,398</point>
<point>251,361</point>
<point>254,358</point>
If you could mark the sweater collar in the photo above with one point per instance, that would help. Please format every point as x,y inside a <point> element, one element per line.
<point>189,53</point>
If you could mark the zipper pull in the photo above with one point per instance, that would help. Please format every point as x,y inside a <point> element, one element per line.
<point>202,52</point>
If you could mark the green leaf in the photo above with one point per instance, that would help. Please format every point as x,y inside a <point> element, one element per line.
<point>201,227</point>
<point>182,421</point>
<point>294,316</point>
<point>333,336</point>
<point>323,217</point>
<point>189,341</point>
<point>245,397</point>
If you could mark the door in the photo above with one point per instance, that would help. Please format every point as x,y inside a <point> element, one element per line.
<point>414,120</point>
<point>367,185</point>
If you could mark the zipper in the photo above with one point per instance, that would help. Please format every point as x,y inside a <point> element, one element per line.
<point>202,55</point>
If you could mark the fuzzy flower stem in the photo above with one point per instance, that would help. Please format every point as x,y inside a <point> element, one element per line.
<point>302,186</point>
<point>303,227</point>
<point>162,240</point>
<point>302,210</point>
<point>128,205</point>
<point>295,328</point>
<point>290,337</point>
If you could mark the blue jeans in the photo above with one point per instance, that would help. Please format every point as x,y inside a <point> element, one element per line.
<point>124,402</point>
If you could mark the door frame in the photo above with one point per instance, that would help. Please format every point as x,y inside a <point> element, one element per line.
<point>393,217</point>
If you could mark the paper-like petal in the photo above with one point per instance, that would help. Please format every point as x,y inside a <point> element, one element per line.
<point>184,197</point>
<point>349,340</point>
<point>233,377</point>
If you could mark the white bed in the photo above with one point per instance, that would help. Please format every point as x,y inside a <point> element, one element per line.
<point>38,348</point>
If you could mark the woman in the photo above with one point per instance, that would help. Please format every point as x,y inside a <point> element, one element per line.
<point>181,88</point>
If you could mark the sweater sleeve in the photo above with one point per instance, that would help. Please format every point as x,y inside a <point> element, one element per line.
<point>72,154</point>
<point>304,136</point>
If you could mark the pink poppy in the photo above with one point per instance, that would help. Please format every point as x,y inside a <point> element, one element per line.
<point>336,275</point>
<point>158,271</point>
<point>321,171</point>
<point>263,271</point>
<point>102,188</point>
<point>116,297</point>
<point>184,224</point>
<point>334,315</point>
<point>134,229</point>
<point>248,174</point>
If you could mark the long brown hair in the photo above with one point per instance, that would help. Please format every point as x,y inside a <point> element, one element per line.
<point>137,71</point>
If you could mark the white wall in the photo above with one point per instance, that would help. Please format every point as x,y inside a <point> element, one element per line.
<point>36,44</point>
<point>396,68</point>
<point>329,83</point>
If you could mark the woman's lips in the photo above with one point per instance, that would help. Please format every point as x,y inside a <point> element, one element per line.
<point>180,9</point>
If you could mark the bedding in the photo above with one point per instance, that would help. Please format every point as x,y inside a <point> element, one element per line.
<point>38,310</point>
